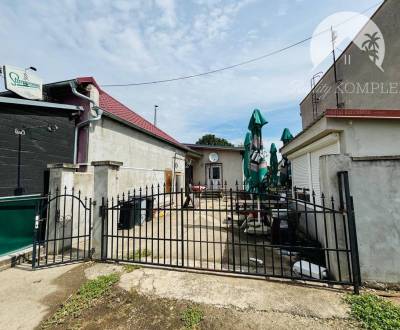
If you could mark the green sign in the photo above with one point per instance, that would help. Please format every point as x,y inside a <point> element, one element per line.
<point>22,82</point>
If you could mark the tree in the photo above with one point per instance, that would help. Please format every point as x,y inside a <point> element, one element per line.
<point>212,140</point>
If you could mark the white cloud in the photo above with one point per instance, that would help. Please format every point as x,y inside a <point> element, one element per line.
<point>141,40</point>
<point>168,9</point>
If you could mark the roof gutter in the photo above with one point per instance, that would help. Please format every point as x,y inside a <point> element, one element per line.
<point>41,104</point>
<point>99,113</point>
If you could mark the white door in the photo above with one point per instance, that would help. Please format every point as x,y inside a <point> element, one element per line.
<point>214,179</point>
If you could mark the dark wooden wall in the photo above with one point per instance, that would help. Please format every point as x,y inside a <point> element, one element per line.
<point>39,146</point>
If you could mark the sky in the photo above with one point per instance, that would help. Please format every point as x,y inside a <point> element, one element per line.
<point>144,40</point>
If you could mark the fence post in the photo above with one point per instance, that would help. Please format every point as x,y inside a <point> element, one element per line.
<point>35,240</point>
<point>105,177</point>
<point>233,232</point>
<point>103,243</point>
<point>182,231</point>
<point>355,263</point>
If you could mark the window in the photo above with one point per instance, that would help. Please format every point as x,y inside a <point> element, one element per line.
<point>216,173</point>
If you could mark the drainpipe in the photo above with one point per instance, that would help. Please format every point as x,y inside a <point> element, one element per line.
<point>87,122</point>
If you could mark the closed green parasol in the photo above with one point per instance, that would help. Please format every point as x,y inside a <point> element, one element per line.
<point>273,163</point>
<point>285,170</point>
<point>286,136</point>
<point>246,161</point>
<point>258,163</point>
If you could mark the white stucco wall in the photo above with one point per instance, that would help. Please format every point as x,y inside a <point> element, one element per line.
<point>144,158</point>
<point>371,137</point>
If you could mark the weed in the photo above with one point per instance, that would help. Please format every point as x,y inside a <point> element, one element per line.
<point>83,298</point>
<point>374,312</point>
<point>191,317</point>
<point>131,268</point>
<point>140,254</point>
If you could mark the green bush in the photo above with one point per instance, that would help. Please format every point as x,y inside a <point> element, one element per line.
<point>191,317</point>
<point>131,268</point>
<point>138,254</point>
<point>373,312</point>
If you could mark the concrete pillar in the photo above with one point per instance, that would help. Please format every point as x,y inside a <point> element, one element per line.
<point>61,175</point>
<point>105,186</point>
<point>60,211</point>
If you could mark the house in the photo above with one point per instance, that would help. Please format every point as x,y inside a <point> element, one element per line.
<point>356,130</point>
<point>91,126</point>
<point>149,155</point>
<point>213,166</point>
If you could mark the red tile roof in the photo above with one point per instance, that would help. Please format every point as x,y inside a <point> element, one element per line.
<point>112,106</point>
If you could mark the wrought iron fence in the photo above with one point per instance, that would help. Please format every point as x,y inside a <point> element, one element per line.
<point>272,234</point>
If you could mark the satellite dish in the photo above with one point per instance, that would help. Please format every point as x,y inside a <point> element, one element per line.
<point>213,157</point>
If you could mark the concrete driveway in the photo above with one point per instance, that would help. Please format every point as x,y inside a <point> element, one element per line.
<point>29,296</point>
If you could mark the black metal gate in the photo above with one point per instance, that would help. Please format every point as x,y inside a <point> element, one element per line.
<point>62,232</point>
<point>222,229</point>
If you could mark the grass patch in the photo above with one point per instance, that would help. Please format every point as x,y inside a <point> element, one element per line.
<point>83,298</point>
<point>191,317</point>
<point>131,268</point>
<point>140,254</point>
<point>374,312</point>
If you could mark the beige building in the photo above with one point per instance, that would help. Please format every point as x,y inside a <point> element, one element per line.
<point>357,131</point>
<point>213,166</point>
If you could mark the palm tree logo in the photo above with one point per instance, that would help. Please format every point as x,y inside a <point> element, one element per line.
<point>371,46</point>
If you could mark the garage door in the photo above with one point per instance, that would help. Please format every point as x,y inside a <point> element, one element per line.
<point>301,171</point>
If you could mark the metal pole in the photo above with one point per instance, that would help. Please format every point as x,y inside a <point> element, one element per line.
<point>19,163</point>
<point>355,263</point>
<point>334,66</point>
<point>233,233</point>
<point>182,231</point>
<point>155,115</point>
<point>19,190</point>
